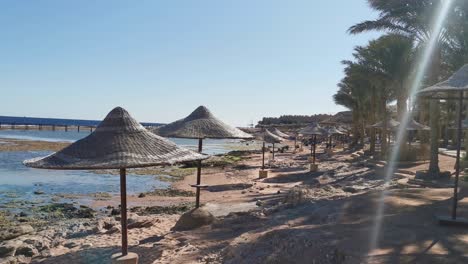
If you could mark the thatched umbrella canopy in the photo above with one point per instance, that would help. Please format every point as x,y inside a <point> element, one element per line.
<point>278,132</point>
<point>313,131</point>
<point>332,131</point>
<point>452,88</point>
<point>414,126</point>
<point>390,124</point>
<point>269,137</point>
<point>119,142</point>
<point>201,124</point>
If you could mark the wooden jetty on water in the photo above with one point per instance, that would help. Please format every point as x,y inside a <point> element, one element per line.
<point>38,123</point>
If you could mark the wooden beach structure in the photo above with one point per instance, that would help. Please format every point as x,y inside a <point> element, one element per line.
<point>454,88</point>
<point>119,142</point>
<point>201,124</point>
<point>270,138</point>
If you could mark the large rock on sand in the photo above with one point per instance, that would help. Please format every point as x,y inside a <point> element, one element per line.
<point>15,231</point>
<point>193,219</point>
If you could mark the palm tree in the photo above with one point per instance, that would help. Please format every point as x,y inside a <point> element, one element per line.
<point>414,18</point>
<point>378,72</point>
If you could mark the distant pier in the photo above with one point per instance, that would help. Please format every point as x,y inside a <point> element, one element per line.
<point>53,124</point>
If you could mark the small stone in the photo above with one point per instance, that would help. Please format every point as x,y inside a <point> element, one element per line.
<point>38,192</point>
<point>70,244</point>
<point>115,211</point>
<point>26,250</point>
<point>350,189</point>
<point>140,224</point>
<point>259,203</point>
<point>87,245</point>
<point>114,230</point>
<point>141,195</point>
<point>9,248</point>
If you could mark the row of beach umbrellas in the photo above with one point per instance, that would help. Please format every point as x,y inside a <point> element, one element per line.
<point>121,142</point>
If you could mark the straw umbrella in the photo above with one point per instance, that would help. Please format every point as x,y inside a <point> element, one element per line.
<point>313,131</point>
<point>331,131</point>
<point>278,133</point>
<point>415,126</point>
<point>452,89</point>
<point>390,124</point>
<point>119,142</point>
<point>271,138</point>
<point>268,137</point>
<point>201,124</point>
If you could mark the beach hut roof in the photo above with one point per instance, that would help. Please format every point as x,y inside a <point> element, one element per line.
<point>201,123</point>
<point>118,142</point>
<point>391,124</point>
<point>458,82</point>
<point>278,132</point>
<point>314,129</point>
<point>269,137</point>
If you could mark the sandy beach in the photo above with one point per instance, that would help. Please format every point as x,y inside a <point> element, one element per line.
<point>323,217</point>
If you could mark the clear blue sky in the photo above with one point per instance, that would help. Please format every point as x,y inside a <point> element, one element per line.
<point>243,59</point>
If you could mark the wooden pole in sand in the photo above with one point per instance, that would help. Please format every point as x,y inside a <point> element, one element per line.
<point>123,210</point>
<point>263,156</point>
<point>457,164</point>
<point>273,151</point>
<point>295,143</point>
<point>315,146</point>
<point>197,199</point>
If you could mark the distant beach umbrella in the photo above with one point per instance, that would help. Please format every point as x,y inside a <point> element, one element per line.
<point>201,124</point>
<point>313,131</point>
<point>119,142</point>
<point>332,131</point>
<point>414,126</point>
<point>269,137</point>
<point>452,88</point>
<point>390,124</point>
<point>278,133</point>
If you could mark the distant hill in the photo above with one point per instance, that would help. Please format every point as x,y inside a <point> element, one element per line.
<point>293,119</point>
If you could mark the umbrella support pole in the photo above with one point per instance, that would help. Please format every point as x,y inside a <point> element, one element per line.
<point>123,210</point>
<point>199,167</point>
<point>295,144</point>
<point>124,257</point>
<point>263,173</point>
<point>315,148</point>
<point>453,220</point>
<point>273,152</point>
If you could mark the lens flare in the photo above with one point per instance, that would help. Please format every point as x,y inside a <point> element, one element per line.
<point>420,71</point>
